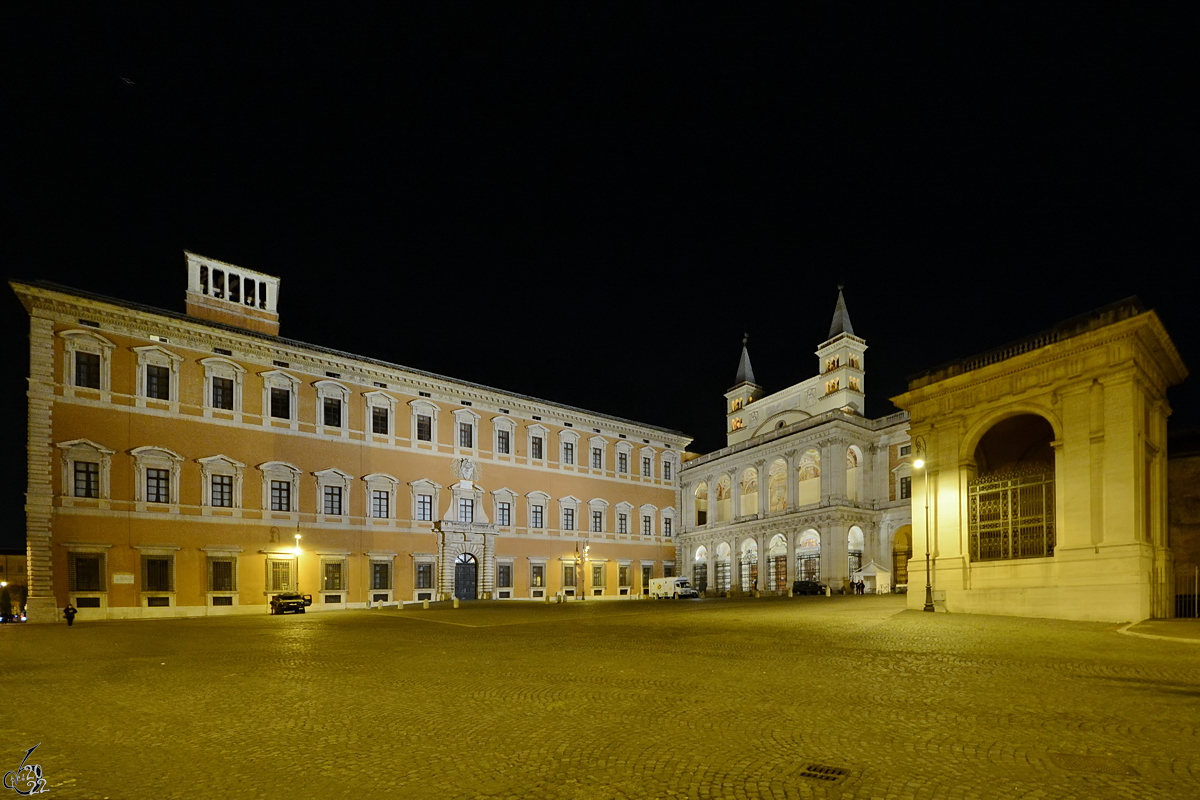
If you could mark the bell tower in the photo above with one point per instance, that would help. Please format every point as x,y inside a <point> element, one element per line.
<point>744,392</point>
<point>841,362</point>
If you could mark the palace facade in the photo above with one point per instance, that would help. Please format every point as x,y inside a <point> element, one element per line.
<point>199,463</point>
<point>806,489</point>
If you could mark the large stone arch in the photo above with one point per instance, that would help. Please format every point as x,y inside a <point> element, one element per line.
<point>978,429</point>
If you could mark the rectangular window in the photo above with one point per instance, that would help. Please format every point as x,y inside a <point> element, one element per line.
<point>87,370</point>
<point>87,479</point>
<point>222,575</point>
<point>622,463</point>
<point>379,420</point>
<point>281,495</point>
<point>568,453</point>
<point>568,575</point>
<point>158,382</point>
<point>537,575</point>
<point>597,458</point>
<point>905,449</point>
<point>623,575</point>
<point>504,576</point>
<point>666,470</point>
<point>222,393</point>
<point>466,434</point>
<point>280,575</point>
<point>647,574</point>
<point>85,572</point>
<point>622,523</point>
<point>158,486</point>
<point>424,576</point>
<point>647,470</point>
<point>333,501</point>
<point>647,523</point>
<point>667,527</point>
<point>333,576</point>
<point>281,403</point>
<point>425,507</point>
<point>379,504</point>
<point>332,416</point>
<point>535,447</point>
<point>466,510</point>
<point>222,491</point>
<point>568,519</point>
<point>381,575</point>
<point>504,513</point>
<point>503,442</point>
<point>597,521</point>
<point>536,516</point>
<point>424,428</point>
<point>668,570</point>
<point>905,488</point>
<point>156,574</point>
<point>597,574</point>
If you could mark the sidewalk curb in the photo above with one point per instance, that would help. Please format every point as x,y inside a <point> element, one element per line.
<point>1125,630</point>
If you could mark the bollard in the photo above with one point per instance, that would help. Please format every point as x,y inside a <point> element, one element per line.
<point>425,604</point>
<point>456,602</point>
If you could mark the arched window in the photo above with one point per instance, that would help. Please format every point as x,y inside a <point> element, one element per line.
<point>702,503</point>
<point>748,492</point>
<point>808,473</point>
<point>724,503</point>
<point>777,486</point>
<point>1010,502</point>
<point>853,472</point>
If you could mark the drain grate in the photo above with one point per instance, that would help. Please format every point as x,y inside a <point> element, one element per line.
<point>1096,764</point>
<point>822,773</point>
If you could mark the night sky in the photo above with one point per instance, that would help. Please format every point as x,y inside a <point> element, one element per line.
<point>592,203</point>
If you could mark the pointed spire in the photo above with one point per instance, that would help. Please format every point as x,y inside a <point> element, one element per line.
<point>745,373</point>
<point>841,317</point>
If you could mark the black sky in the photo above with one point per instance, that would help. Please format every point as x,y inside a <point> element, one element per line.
<point>591,203</point>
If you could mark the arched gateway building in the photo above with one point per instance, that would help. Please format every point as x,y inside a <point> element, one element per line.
<point>1044,485</point>
<point>807,488</point>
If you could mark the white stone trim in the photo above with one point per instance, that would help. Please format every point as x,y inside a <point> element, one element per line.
<point>426,487</point>
<point>568,437</point>
<point>85,341</point>
<point>381,482</point>
<point>153,355</point>
<point>465,416</point>
<point>332,476</point>
<point>89,451</point>
<point>156,458</point>
<point>537,430</point>
<point>222,368</point>
<point>423,407</point>
<point>378,399</point>
<point>537,498</point>
<point>220,465</point>
<point>278,379</point>
<point>280,471</point>
<point>332,390</point>
<point>601,505</point>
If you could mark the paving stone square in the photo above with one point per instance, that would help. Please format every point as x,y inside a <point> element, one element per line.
<point>817,697</point>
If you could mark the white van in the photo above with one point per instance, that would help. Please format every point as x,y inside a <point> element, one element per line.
<point>671,587</point>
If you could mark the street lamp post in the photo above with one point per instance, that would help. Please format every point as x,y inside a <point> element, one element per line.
<point>921,464</point>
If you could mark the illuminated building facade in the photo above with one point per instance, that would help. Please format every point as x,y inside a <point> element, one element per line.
<point>199,463</point>
<point>807,488</point>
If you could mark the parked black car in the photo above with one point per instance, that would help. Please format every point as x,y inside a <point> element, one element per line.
<point>290,601</point>
<point>807,587</point>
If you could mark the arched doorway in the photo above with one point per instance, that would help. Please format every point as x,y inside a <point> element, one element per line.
<point>901,553</point>
<point>1011,499</point>
<point>700,569</point>
<point>808,556</point>
<point>777,564</point>
<point>466,576</point>
<point>854,547</point>
<point>722,566</point>
<point>749,563</point>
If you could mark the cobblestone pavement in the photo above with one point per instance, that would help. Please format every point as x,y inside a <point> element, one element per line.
<point>692,699</point>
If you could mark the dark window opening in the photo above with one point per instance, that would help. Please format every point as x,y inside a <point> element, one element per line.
<point>87,370</point>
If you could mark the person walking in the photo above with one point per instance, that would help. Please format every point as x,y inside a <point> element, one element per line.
<point>69,612</point>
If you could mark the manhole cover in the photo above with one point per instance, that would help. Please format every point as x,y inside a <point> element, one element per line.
<point>1098,764</point>
<point>821,773</point>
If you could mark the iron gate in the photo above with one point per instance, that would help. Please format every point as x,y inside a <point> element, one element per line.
<point>1011,515</point>
<point>1187,590</point>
